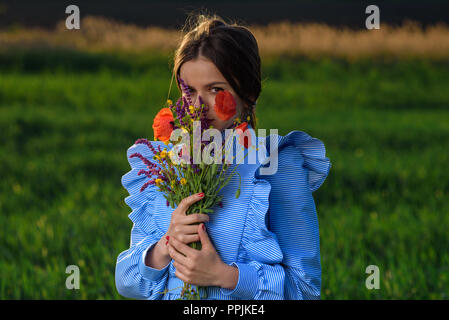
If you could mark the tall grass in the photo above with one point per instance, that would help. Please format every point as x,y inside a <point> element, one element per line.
<point>281,38</point>
<point>72,102</point>
<point>67,119</point>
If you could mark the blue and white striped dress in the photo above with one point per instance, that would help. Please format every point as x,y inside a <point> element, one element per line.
<point>270,232</point>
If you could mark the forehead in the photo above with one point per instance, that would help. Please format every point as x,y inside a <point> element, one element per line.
<point>200,72</point>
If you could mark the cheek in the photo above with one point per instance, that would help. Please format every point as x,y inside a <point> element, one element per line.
<point>209,101</point>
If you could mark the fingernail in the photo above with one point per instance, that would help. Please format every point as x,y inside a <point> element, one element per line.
<point>201,194</point>
<point>167,237</point>
<point>204,227</point>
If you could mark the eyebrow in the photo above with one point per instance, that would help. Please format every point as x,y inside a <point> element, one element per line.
<point>210,84</point>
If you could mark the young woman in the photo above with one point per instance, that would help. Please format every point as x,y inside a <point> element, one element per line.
<point>263,245</point>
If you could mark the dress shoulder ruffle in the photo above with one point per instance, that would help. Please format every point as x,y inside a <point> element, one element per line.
<point>141,202</point>
<point>313,152</point>
<point>258,241</point>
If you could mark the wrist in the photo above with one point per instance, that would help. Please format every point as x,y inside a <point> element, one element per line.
<point>158,253</point>
<point>162,247</point>
<point>228,276</point>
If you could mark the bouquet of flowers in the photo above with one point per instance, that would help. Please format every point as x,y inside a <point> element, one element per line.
<point>172,169</point>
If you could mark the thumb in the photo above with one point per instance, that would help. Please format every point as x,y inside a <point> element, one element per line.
<point>204,237</point>
<point>188,201</point>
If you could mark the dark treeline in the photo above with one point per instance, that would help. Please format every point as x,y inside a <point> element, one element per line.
<point>170,13</point>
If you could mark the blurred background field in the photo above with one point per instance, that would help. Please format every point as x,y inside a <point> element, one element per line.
<point>71,103</point>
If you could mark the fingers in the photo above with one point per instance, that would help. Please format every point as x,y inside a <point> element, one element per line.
<point>188,201</point>
<point>204,237</point>
<point>188,238</point>
<point>177,256</point>
<point>195,218</point>
<point>181,272</point>
<point>179,251</point>
<point>185,229</point>
<point>180,268</point>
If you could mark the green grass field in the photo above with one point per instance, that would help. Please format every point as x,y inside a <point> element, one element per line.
<point>67,119</point>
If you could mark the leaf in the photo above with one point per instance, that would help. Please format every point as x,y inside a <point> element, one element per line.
<point>237,193</point>
<point>214,170</point>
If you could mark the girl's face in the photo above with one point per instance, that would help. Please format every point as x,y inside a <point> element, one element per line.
<point>205,80</point>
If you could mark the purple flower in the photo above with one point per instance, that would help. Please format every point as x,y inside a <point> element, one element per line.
<point>145,160</point>
<point>162,177</point>
<point>205,124</point>
<point>147,173</point>
<point>196,169</point>
<point>146,142</point>
<point>180,110</point>
<point>146,184</point>
<point>186,90</point>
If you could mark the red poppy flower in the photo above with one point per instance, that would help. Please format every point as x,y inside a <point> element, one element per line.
<point>163,124</point>
<point>225,105</point>
<point>244,140</point>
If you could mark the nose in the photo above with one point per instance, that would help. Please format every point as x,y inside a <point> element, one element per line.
<point>200,102</point>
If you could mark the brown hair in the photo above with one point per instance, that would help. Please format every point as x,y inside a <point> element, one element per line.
<point>234,51</point>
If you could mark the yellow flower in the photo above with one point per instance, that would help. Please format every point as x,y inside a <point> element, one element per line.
<point>157,157</point>
<point>248,118</point>
<point>192,109</point>
<point>169,102</point>
<point>158,181</point>
<point>173,183</point>
<point>163,154</point>
<point>183,181</point>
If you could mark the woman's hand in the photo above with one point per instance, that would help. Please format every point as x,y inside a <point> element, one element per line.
<point>182,227</point>
<point>201,267</point>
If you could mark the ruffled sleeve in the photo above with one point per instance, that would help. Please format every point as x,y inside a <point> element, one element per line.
<point>313,153</point>
<point>302,169</point>
<point>261,277</point>
<point>280,254</point>
<point>134,279</point>
<point>141,202</point>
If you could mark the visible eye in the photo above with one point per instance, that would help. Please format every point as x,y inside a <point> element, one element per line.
<point>217,88</point>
